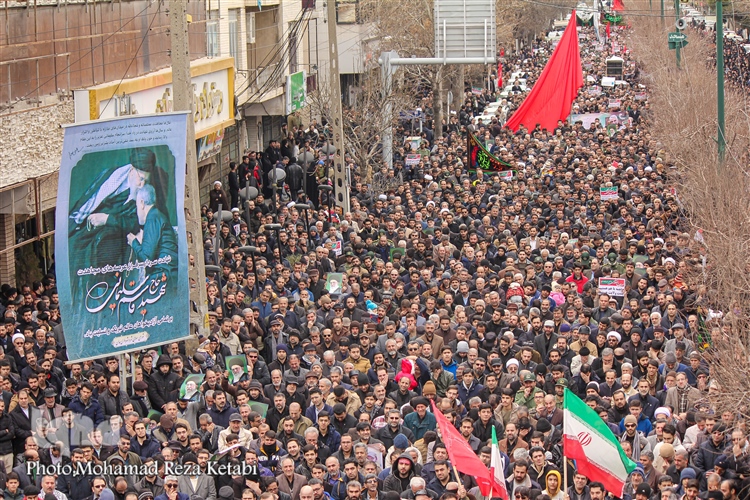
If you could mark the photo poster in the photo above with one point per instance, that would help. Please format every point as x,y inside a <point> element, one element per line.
<point>237,367</point>
<point>415,142</point>
<point>375,455</point>
<point>261,408</point>
<point>190,388</point>
<point>337,248</point>
<point>333,283</point>
<point>120,245</point>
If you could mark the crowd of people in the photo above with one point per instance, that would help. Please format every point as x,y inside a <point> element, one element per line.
<point>457,291</point>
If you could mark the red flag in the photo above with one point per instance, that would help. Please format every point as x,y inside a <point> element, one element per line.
<point>553,94</point>
<point>499,76</point>
<point>617,6</point>
<point>608,31</point>
<point>462,456</point>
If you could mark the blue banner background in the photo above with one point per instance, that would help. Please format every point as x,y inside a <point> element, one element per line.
<point>115,297</point>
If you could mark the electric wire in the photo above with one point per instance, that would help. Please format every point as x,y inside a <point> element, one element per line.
<point>135,56</point>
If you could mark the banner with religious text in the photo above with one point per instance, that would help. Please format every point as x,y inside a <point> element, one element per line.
<point>480,158</point>
<point>120,242</point>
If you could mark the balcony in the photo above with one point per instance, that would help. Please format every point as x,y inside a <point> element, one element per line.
<point>266,79</point>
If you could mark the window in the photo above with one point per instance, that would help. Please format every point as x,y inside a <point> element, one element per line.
<point>212,34</point>
<point>250,27</point>
<point>293,42</point>
<point>234,29</point>
<point>346,11</point>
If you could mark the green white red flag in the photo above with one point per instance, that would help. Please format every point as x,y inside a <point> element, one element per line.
<point>596,450</point>
<point>497,469</point>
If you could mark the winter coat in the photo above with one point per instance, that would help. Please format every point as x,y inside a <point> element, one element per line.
<point>150,447</point>
<point>162,386</point>
<point>396,483</point>
<point>108,402</point>
<point>7,433</point>
<point>92,410</point>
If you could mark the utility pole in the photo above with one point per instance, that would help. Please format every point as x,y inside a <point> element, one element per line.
<point>183,101</point>
<point>677,18</point>
<point>721,139</point>
<point>341,184</point>
<point>662,12</point>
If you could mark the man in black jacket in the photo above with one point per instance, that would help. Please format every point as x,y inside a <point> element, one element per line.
<point>75,485</point>
<point>162,384</point>
<point>6,437</point>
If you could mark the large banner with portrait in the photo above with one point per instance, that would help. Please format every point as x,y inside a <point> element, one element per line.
<point>120,241</point>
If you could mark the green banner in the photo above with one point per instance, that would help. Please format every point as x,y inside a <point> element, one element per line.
<point>296,92</point>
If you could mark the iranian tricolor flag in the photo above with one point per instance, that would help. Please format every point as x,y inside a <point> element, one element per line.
<point>497,467</point>
<point>589,442</point>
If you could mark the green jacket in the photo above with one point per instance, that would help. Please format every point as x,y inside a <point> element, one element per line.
<point>442,382</point>
<point>522,400</point>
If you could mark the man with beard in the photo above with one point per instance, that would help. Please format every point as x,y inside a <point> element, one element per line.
<point>401,474</point>
<point>278,412</point>
<point>113,399</point>
<point>162,383</point>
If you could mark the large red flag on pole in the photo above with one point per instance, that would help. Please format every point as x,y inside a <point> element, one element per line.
<point>553,94</point>
<point>463,457</point>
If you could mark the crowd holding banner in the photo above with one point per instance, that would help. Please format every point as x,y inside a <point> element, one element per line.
<point>458,345</point>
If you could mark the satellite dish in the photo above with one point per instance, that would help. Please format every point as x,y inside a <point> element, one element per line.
<point>249,193</point>
<point>306,158</point>
<point>280,174</point>
<point>226,215</point>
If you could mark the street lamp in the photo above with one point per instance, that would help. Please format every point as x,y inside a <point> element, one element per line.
<point>252,251</point>
<point>275,228</point>
<point>217,275</point>
<point>306,158</point>
<point>327,189</point>
<point>305,208</point>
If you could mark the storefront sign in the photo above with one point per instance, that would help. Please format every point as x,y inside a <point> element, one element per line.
<point>210,145</point>
<point>213,96</point>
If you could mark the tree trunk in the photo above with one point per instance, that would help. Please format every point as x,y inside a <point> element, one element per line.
<point>457,87</point>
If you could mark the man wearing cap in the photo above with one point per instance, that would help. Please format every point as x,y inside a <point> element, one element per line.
<point>678,330</point>
<point>51,410</point>
<point>236,428</point>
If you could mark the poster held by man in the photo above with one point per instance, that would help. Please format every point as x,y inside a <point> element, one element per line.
<point>121,246</point>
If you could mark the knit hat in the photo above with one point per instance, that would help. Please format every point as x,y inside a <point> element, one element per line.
<point>666,450</point>
<point>400,442</point>
<point>166,421</point>
<point>688,473</point>
<point>543,425</point>
<point>226,493</point>
<point>630,419</point>
<point>429,388</point>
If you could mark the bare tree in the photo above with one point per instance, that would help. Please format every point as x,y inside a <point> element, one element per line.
<point>712,194</point>
<point>366,119</point>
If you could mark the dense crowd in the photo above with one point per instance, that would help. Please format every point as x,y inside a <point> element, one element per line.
<point>456,288</point>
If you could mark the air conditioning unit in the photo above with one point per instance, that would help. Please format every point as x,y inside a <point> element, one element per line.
<point>250,26</point>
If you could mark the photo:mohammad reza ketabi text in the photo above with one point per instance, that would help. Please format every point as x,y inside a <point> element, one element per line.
<point>216,468</point>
